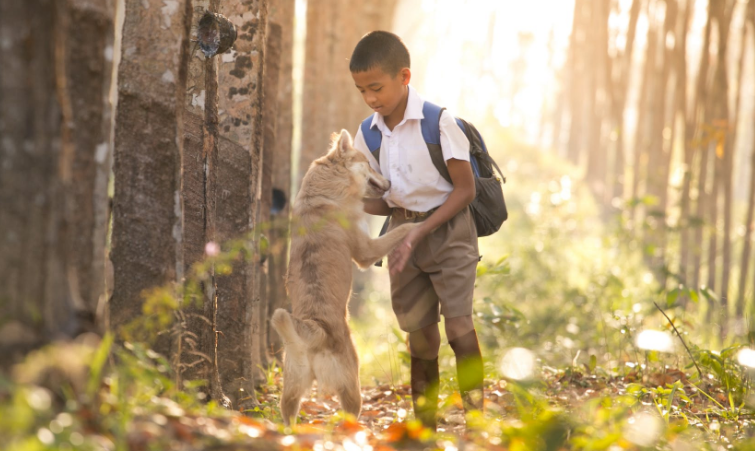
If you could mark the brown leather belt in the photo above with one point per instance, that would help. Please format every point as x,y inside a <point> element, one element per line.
<point>409,214</point>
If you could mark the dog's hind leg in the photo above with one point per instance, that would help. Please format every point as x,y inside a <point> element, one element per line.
<point>297,380</point>
<point>350,396</point>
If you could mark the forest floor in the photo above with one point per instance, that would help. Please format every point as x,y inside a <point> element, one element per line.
<point>570,409</point>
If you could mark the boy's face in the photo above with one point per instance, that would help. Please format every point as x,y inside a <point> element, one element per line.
<point>383,93</point>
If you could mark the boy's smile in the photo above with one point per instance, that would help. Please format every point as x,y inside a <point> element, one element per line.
<point>386,95</point>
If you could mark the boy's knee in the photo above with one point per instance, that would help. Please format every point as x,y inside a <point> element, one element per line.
<point>425,343</point>
<point>458,327</point>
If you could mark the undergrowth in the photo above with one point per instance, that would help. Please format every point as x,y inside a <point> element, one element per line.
<point>583,350</point>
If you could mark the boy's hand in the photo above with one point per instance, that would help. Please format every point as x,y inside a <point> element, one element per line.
<point>400,255</point>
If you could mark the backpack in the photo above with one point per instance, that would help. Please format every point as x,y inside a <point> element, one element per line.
<point>488,208</point>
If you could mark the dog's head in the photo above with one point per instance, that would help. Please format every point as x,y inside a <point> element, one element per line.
<point>363,181</point>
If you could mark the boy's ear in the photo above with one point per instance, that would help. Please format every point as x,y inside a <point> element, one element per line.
<point>345,143</point>
<point>406,75</point>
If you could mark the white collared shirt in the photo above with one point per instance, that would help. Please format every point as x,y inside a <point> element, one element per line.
<point>405,161</point>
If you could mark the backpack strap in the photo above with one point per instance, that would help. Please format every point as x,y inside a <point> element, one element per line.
<point>430,126</point>
<point>372,137</point>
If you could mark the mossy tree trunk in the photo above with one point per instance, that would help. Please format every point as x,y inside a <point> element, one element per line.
<point>54,165</point>
<point>147,216</point>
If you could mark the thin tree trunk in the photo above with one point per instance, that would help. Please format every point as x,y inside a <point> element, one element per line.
<point>750,217</point>
<point>644,123</point>
<point>688,148</point>
<point>598,79</point>
<point>618,101</point>
<point>283,14</point>
<point>722,13</point>
<point>576,81</point>
<point>196,357</point>
<point>699,116</point>
<point>270,106</point>
<point>147,218</point>
<point>729,170</point>
<point>658,178</point>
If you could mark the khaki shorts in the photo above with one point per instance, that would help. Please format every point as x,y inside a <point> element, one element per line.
<point>440,275</point>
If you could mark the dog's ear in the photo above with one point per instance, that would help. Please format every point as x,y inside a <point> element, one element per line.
<point>345,144</point>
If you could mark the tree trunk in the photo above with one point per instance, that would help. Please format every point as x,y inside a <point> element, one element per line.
<point>270,106</point>
<point>596,104</point>
<point>722,11</point>
<point>238,194</point>
<point>644,124</point>
<point>329,103</point>
<point>729,171</point>
<point>54,165</point>
<point>699,117</point>
<point>659,164</point>
<point>619,92</point>
<point>147,218</point>
<point>577,68</point>
<point>744,265</point>
<point>689,149</point>
<point>282,13</point>
<point>197,356</point>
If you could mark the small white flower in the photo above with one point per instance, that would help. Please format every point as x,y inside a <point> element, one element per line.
<point>211,249</point>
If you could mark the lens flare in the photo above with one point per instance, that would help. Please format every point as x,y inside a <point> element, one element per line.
<point>644,429</point>
<point>746,357</point>
<point>518,364</point>
<point>655,340</point>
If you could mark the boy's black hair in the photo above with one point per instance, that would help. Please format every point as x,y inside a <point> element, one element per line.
<point>381,49</point>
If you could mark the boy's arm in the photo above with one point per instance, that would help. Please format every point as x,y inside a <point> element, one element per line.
<point>461,196</point>
<point>376,207</point>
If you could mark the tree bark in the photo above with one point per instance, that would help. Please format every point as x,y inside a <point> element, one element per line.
<point>598,79</point>
<point>644,124</point>
<point>147,218</point>
<point>722,11</point>
<point>744,265</point>
<point>700,115</point>
<point>689,149</point>
<point>54,165</point>
<point>282,13</point>
<point>269,108</point>
<point>329,104</point>
<point>577,68</point>
<point>622,66</point>
<point>238,191</point>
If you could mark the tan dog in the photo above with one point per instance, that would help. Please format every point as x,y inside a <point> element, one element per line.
<point>327,235</point>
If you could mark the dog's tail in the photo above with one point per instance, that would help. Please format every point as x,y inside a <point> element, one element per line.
<point>305,333</point>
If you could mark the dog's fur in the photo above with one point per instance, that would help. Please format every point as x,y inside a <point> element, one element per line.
<point>327,234</point>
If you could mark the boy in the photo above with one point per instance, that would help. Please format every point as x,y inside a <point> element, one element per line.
<point>433,270</point>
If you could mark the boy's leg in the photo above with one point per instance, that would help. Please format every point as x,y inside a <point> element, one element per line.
<point>463,340</point>
<point>415,304</point>
<point>425,380</point>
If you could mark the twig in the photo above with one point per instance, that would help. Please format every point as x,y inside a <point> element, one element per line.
<point>681,339</point>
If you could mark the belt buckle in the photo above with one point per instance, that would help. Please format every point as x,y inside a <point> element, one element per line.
<point>408,214</point>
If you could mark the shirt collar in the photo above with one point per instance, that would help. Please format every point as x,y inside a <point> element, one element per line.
<point>414,104</point>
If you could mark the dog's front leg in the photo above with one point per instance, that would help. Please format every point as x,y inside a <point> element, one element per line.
<point>367,251</point>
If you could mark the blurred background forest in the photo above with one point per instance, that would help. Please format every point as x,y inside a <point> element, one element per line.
<point>146,179</point>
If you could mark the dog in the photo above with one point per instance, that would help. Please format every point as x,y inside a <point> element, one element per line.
<point>328,232</point>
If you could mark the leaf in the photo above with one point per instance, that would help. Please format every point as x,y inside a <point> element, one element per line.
<point>593,362</point>
<point>100,357</point>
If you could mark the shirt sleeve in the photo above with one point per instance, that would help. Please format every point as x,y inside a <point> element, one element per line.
<point>361,145</point>
<point>453,141</point>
